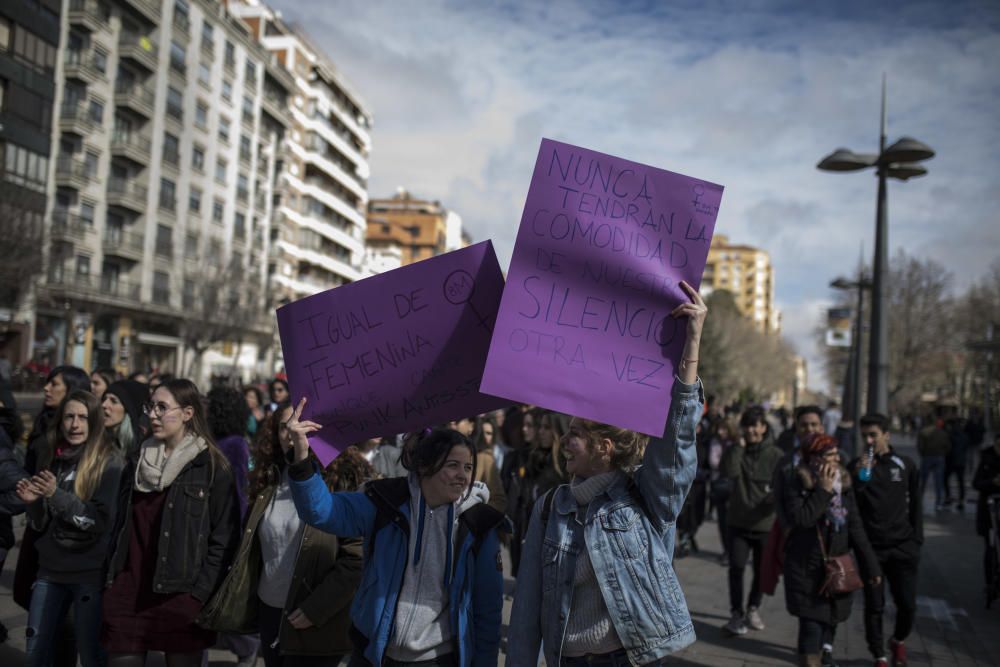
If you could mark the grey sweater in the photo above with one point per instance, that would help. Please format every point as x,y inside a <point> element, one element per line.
<point>423,629</point>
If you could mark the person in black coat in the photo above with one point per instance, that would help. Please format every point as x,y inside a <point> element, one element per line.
<point>987,482</point>
<point>819,504</point>
<point>11,473</point>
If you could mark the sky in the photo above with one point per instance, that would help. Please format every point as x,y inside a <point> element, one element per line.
<point>746,93</point>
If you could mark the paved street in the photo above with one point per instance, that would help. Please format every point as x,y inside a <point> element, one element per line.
<point>953,627</point>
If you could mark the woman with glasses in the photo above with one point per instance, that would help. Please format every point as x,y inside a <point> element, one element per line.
<point>71,502</point>
<point>180,529</point>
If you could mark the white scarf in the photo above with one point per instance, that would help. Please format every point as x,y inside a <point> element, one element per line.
<point>156,470</point>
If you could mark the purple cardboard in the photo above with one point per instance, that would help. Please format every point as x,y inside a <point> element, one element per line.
<point>585,316</point>
<point>395,352</point>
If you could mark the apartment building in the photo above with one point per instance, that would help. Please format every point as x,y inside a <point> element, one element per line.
<point>166,150</point>
<point>411,229</point>
<point>747,273</point>
<point>318,240</point>
<point>29,41</point>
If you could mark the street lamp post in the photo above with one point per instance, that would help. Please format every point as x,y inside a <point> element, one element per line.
<point>852,383</point>
<point>897,161</point>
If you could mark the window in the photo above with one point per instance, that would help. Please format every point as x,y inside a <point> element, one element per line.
<point>214,251</point>
<point>194,200</point>
<point>242,187</point>
<point>164,241</point>
<point>220,170</point>
<point>205,74</point>
<point>239,226</point>
<point>161,285</point>
<point>100,61</point>
<point>96,112</point>
<point>4,33</point>
<point>191,245</point>
<point>251,73</point>
<point>201,115</point>
<point>227,90</point>
<point>175,103</point>
<point>248,109</point>
<point>187,297</point>
<point>182,15</point>
<point>87,214</point>
<point>230,57</point>
<point>224,129</point>
<point>24,167</point>
<point>83,266</point>
<point>171,149</point>
<point>177,57</point>
<point>207,42</point>
<point>90,164</point>
<point>168,192</point>
<point>198,158</point>
<point>28,48</point>
<point>246,146</point>
<point>218,210</point>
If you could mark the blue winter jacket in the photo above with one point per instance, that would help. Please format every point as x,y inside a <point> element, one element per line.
<point>631,547</point>
<point>476,584</point>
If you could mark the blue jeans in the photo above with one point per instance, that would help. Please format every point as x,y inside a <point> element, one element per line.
<point>49,604</point>
<point>933,465</point>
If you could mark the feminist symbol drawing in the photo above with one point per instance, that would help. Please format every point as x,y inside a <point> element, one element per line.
<point>459,287</point>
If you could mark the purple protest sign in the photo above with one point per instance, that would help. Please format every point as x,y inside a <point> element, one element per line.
<point>395,352</point>
<point>585,316</point>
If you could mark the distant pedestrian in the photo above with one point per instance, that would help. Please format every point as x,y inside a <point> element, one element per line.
<point>891,510</point>
<point>100,379</point>
<point>954,463</point>
<point>933,444</point>
<point>255,404</point>
<point>987,482</point>
<point>487,470</point>
<point>227,422</point>
<point>749,465</point>
<point>823,520</point>
<point>277,392</point>
<point>727,432</point>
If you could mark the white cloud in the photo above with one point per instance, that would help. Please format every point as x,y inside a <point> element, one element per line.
<point>751,98</point>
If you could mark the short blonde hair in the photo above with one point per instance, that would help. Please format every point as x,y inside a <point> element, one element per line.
<point>627,447</point>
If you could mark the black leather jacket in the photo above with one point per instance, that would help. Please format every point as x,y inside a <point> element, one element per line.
<point>199,532</point>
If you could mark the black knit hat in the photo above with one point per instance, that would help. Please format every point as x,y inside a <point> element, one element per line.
<point>133,396</point>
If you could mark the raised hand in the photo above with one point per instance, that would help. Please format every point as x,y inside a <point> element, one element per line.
<point>46,482</point>
<point>300,430</point>
<point>695,311</point>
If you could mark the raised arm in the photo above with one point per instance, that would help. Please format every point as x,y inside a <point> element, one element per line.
<point>670,461</point>
<point>346,514</point>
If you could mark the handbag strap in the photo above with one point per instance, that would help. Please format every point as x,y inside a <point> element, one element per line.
<point>822,545</point>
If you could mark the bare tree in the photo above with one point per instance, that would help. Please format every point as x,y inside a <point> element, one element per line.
<point>223,306</point>
<point>21,228</point>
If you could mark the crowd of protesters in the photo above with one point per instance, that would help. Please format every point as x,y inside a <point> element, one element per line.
<point>163,518</point>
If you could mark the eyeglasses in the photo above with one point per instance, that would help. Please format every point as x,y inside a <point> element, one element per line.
<point>158,409</point>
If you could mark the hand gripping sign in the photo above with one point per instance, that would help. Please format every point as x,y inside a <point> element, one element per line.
<point>585,316</point>
<point>395,352</point>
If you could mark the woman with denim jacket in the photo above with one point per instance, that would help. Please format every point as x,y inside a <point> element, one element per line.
<point>71,502</point>
<point>179,530</point>
<point>431,590</point>
<point>597,585</point>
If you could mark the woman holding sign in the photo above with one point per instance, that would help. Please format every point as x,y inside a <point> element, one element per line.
<point>432,585</point>
<point>596,584</point>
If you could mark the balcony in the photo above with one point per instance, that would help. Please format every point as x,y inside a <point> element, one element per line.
<point>69,227</point>
<point>119,242</point>
<point>139,49</point>
<point>75,118</point>
<point>116,288</point>
<point>72,173</point>
<point>83,65</point>
<point>87,14</point>
<point>275,106</point>
<point>135,98</point>
<point>127,194</point>
<point>148,8</point>
<point>132,147</point>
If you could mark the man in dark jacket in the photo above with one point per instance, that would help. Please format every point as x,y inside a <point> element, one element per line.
<point>889,502</point>
<point>933,444</point>
<point>11,473</point>
<point>987,483</point>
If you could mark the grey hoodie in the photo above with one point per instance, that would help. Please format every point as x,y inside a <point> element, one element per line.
<point>422,630</point>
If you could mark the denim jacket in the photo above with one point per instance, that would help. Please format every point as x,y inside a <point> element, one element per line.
<point>631,550</point>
